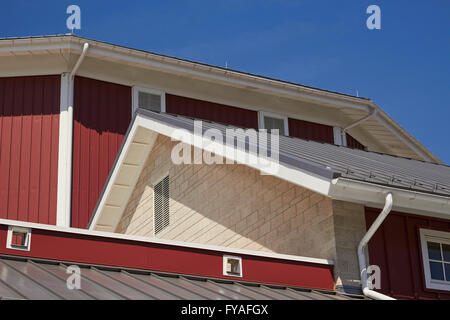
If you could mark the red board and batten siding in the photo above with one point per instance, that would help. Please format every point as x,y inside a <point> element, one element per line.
<point>216,112</point>
<point>311,131</point>
<point>396,249</point>
<point>102,114</point>
<point>82,248</point>
<point>29,131</point>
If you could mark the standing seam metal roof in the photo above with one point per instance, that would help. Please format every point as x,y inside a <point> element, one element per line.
<point>46,280</point>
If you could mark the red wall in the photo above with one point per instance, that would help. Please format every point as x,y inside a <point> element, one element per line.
<point>395,248</point>
<point>29,130</point>
<point>211,111</point>
<point>311,131</point>
<point>353,143</point>
<point>102,113</point>
<point>91,249</point>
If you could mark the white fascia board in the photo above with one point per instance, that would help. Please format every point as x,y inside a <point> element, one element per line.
<point>142,239</point>
<point>294,175</point>
<point>409,201</point>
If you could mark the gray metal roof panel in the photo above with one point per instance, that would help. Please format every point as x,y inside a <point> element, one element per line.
<point>332,161</point>
<point>38,280</point>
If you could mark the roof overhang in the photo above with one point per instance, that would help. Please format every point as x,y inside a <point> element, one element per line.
<point>146,126</point>
<point>352,107</point>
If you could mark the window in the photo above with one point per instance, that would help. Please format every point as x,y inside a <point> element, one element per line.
<point>436,258</point>
<point>149,99</point>
<point>161,205</point>
<point>272,121</point>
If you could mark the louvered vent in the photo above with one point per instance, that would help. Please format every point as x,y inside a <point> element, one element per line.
<point>161,205</point>
<point>149,101</point>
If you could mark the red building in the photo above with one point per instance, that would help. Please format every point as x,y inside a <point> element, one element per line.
<point>86,133</point>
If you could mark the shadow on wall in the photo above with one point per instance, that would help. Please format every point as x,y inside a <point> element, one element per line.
<point>230,205</point>
<point>102,114</point>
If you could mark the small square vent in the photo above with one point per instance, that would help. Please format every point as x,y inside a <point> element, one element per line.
<point>232,266</point>
<point>18,238</point>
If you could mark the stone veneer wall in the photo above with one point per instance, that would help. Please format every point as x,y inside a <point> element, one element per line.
<point>235,206</point>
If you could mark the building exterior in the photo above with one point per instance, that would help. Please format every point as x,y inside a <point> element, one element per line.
<point>87,138</point>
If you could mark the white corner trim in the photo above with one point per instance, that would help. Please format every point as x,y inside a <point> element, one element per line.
<point>135,97</point>
<point>340,138</point>
<point>142,239</point>
<point>63,207</point>
<point>439,237</point>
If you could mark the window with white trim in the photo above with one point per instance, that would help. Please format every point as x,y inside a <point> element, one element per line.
<point>436,258</point>
<point>161,204</point>
<point>149,99</point>
<point>272,121</point>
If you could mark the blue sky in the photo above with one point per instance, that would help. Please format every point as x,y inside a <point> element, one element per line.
<point>404,67</point>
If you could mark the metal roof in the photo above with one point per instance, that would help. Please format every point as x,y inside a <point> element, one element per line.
<point>47,280</point>
<point>332,161</point>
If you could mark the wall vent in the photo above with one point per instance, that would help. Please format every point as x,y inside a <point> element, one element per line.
<point>161,205</point>
<point>232,266</point>
<point>18,238</point>
<point>149,101</point>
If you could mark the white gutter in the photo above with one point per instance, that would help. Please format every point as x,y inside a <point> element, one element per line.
<point>64,193</point>
<point>362,257</point>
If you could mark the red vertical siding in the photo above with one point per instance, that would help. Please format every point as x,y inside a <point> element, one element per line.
<point>395,248</point>
<point>353,143</point>
<point>311,131</point>
<point>29,131</point>
<point>102,113</point>
<point>211,111</point>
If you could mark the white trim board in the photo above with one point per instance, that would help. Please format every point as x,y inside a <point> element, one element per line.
<point>165,242</point>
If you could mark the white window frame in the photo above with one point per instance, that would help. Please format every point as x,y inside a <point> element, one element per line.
<point>263,114</point>
<point>135,97</point>
<point>434,236</point>
<point>160,178</point>
<point>225,261</point>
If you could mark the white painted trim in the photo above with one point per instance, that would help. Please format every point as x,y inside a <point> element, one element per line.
<point>340,137</point>
<point>297,176</point>
<point>9,236</point>
<point>164,242</point>
<point>64,194</point>
<point>371,194</point>
<point>240,274</point>
<point>398,135</point>
<point>439,237</point>
<point>197,70</point>
<point>135,97</point>
<point>263,114</point>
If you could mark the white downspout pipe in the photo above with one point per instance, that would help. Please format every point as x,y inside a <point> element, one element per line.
<point>68,186</point>
<point>354,124</point>
<point>80,59</point>
<point>362,245</point>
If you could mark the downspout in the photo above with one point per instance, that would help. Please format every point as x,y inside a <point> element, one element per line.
<point>362,245</point>
<point>68,191</point>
